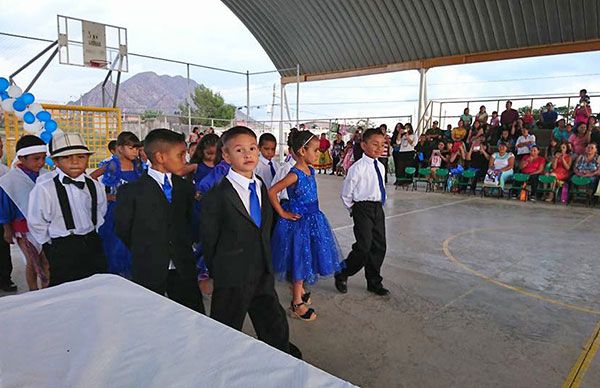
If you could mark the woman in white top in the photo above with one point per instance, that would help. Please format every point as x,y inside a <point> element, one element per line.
<point>403,143</point>
<point>502,163</point>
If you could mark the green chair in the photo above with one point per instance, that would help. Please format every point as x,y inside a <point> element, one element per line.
<point>466,180</point>
<point>581,187</point>
<point>408,178</point>
<point>440,178</point>
<point>518,182</point>
<point>423,176</point>
<point>547,184</point>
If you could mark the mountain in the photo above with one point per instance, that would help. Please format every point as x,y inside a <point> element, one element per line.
<point>143,91</point>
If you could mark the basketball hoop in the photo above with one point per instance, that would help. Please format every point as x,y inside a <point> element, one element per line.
<point>98,63</point>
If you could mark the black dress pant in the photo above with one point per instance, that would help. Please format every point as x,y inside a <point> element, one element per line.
<point>5,261</point>
<point>533,181</point>
<point>186,292</point>
<point>258,298</point>
<point>369,249</point>
<point>75,257</point>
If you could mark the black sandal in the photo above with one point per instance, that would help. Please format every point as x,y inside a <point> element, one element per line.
<point>309,315</point>
<point>306,298</point>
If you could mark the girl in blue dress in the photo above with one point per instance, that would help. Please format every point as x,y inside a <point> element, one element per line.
<point>124,167</point>
<point>303,245</point>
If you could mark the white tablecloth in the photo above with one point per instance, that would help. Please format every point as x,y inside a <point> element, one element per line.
<point>105,331</point>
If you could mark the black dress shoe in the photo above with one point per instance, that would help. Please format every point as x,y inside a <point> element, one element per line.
<point>341,284</point>
<point>381,291</point>
<point>9,287</point>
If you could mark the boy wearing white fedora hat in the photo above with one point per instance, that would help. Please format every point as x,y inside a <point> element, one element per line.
<point>65,211</point>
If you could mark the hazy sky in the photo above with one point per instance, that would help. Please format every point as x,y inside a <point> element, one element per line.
<point>206,32</point>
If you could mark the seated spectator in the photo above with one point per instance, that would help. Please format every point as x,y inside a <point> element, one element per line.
<point>548,116</point>
<point>502,164</point>
<point>517,128</point>
<point>476,135</point>
<point>533,165</point>
<point>434,134</point>
<point>560,167</point>
<point>509,116</point>
<point>423,151</point>
<point>448,133</point>
<point>466,118</point>
<point>528,120</point>
<point>583,111</point>
<point>523,143</point>
<point>507,139</point>
<point>559,133</point>
<point>458,150</point>
<point>552,148</point>
<point>593,132</point>
<point>459,133</point>
<point>438,159</point>
<point>482,116</point>
<point>478,159</point>
<point>579,140</point>
<point>588,165</point>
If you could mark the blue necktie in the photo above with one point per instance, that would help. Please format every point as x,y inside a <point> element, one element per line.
<point>168,189</point>
<point>381,185</point>
<point>272,169</point>
<point>254,204</point>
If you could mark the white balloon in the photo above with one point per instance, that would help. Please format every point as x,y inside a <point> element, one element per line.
<point>34,127</point>
<point>14,91</point>
<point>7,105</point>
<point>36,108</point>
<point>21,113</point>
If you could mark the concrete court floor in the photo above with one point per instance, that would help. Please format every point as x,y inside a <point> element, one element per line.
<point>451,319</point>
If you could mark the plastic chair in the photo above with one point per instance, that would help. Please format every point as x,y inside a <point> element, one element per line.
<point>581,187</point>
<point>408,178</point>
<point>547,184</point>
<point>466,179</point>
<point>440,178</point>
<point>423,176</point>
<point>519,182</point>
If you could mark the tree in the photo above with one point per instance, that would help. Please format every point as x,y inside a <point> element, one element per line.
<point>561,110</point>
<point>150,114</point>
<point>208,105</point>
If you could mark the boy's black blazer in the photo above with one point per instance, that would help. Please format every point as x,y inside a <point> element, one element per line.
<point>155,230</point>
<point>234,247</point>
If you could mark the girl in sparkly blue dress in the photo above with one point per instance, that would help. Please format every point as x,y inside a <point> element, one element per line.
<point>303,245</point>
<point>124,167</point>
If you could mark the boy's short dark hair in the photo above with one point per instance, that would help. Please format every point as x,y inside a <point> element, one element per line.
<point>369,133</point>
<point>159,139</point>
<point>236,131</point>
<point>265,137</point>
<point>29,141</point>
<point>112,145</point>
<point>495,112</point>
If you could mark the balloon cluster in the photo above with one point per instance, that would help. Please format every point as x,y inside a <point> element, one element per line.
<point>36,120</point>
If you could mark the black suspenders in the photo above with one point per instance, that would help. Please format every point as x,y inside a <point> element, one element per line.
<point>65,208</point>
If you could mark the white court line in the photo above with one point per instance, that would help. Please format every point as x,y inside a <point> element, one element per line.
<point>411,212</point>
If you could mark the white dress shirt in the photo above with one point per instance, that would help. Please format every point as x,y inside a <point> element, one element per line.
<point>523,139</point>
<point>361,182</point>
<point>159,177</point>
<point>263,170</point>
<point>282,172</point>
<point>241,185</point>
<point>44,217</point>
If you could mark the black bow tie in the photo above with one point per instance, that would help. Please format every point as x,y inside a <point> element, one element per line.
<point>68,181</point>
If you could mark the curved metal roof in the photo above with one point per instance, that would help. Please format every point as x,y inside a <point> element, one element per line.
<point>341,38</point>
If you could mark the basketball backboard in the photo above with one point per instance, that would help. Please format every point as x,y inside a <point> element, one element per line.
<point>90,44</point>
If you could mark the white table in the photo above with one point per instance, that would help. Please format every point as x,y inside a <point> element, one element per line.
<point>105,331</point>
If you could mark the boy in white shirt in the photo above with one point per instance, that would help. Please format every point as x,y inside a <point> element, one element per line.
<point>363,193</point>
<point>66,209</point>
<point>524,143</point>
<point>267,167</point>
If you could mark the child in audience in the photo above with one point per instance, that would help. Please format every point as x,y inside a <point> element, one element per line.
<point>303,246</point>
<point>364,194</point>
<point>560,167</point>
<point>524,143</point>
<point>153,218</point>
<point>437,159</point>
<point>6,283</point>
<point>65,211</point>
<point>15,187</point>
<point>267,167</point>
<point>493,134</point>
<point>528,119</point>
<point>348,158</point>
<point>236,229</point>
<point>122,168</point>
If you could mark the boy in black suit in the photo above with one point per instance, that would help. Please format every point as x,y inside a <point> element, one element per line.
<point>153,218</point>
<point>236,227</point>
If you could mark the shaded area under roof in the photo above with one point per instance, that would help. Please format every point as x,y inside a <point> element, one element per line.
<point>345,38</point>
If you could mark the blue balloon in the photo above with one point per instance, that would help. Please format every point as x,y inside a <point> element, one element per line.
<point>3,95</point>
<point>28,98</point>
<point>29,118</point>
<point>50,126</point>
<point>4,83</point>
<point>46,136</point>
<point>19,105</point>
<point>49,161</point>
<point>43,115</point>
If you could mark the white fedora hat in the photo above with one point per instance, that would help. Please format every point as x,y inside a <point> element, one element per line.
<point>65,144</point>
